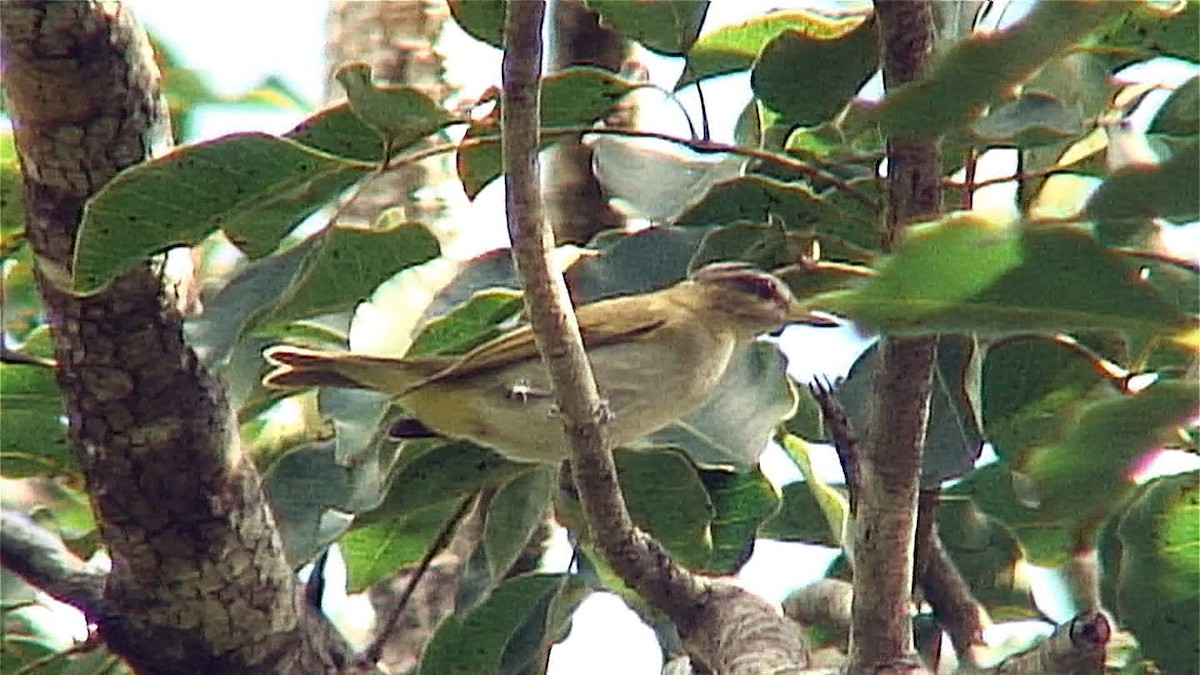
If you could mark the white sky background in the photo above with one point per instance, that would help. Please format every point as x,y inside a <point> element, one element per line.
<point>235,44</point>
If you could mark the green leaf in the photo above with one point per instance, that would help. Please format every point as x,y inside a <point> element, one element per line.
<point>742,502</point>
<point>733,426</point>
<point>800,519</point>
<point>573,97</point>
<point>1152,29</point>
<point>433,473</point>
<point>808,77</point>
<point>989,557</point>
<point>481,19</point>
<point>478,165</point>
<point>1064,487</point>
<point>834,506</point>
<point>327,273</point>
<point>514,513</point>
<point>476,641</point>
<point>656,179</point>
<point>376,551</point>
<point>667,499</point>
<point>346,265</point>
<point>1180,113</point>
<point>1139,192</point>
<point>67,512</point>
<point>980,68</point>
<point>1006,495</point>
<point>1032,388</point>
<point>1153,570</point>
<point>401,115</point>
<point>360,421</point>
<point>307,483</point>
<point>337,131</point>
<point>1084,472</point>
<point>667,26</point>
<point>246,296</point>
<point>254,187</point>
<point>12,196</point>
<point>756,199</point>
<point>468,325</point>
<point>23,309</point>
<point>764,245</point>
<point>736,47</point>
<point>967,274</point>
<point>34,442</point>
<point>1032,118</point>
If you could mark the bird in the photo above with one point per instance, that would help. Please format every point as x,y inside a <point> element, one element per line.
<point>656,356</point>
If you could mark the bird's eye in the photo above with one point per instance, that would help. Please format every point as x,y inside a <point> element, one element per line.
<point>761,287</point>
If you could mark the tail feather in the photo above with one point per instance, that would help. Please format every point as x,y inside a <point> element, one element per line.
<point>296,368</point>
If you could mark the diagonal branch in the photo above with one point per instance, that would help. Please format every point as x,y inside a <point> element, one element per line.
<point>41,559</point>
<point>727,629</point>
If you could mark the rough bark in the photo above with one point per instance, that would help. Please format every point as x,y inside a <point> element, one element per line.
<point>199,582</point>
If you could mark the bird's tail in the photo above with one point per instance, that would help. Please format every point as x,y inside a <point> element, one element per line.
<point>296,368</point>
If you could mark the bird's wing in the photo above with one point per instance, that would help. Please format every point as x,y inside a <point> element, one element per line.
<point>637,316</point>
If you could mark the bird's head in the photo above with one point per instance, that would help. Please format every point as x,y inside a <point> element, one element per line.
<point>751,300</point>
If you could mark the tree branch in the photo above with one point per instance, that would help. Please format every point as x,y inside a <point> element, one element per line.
<point>954,607</point>
<point>198,565</point>
<point>729,630</point>
<point>41,559</point>
<point>1076,647</point>
<point>890,460</point>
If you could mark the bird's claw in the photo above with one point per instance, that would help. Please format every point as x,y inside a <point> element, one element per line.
<point>603,412</point>
<point>523,391</point>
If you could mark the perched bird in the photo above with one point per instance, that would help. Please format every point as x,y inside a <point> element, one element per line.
<point>656,356</point>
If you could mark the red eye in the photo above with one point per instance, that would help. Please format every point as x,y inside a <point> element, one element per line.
<point>761,287</point>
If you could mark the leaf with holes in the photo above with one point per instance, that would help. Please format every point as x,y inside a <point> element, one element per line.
<point>252,186</point>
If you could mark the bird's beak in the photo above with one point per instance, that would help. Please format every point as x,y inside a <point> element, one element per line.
<point>798,313</point>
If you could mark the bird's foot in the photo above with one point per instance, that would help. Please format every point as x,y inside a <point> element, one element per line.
<point>524,392</point>
<point>604,413</point>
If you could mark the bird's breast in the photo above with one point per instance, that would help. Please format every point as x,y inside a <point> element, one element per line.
<point>647,384</point>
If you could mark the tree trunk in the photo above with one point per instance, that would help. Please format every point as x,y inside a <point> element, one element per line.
<point>575,204</point>
<point>199,582</point>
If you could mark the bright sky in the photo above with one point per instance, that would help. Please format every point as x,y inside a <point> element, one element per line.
<point>238,43</point>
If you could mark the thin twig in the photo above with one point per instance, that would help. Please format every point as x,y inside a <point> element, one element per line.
<point>697,145</point>
<point>970,167</point>
<point>722,625</point>
<point>78,648</point>
<point>954,606</point>
<point>1192,266</point>
<point>841,434</point>
<point>374,651</point>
